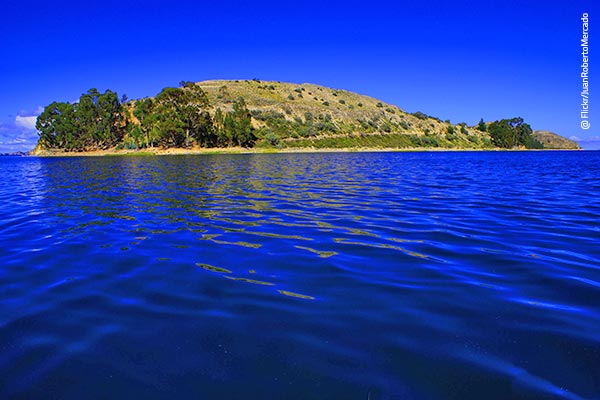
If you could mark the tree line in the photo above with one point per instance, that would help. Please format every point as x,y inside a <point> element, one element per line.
<point>96,121</point>
<point>176,117</point>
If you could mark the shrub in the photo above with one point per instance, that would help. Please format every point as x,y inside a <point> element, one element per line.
<point>270,115</point>
<point>326,103</point>
<point>291,97</point>
<point>430,141</point>
<point>390,110</point>
<point>380,104</point>
<point>342,101</point>
<point>298,90</point>
<point>272,139</point>
<point>360,104</point>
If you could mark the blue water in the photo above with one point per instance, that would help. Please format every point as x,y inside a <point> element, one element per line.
<point>301,276</point>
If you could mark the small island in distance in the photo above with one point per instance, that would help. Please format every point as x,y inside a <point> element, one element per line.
<point>237,115</point>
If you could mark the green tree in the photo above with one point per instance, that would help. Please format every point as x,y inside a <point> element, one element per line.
<point>229,129</point>
<point>180,113</point>
<point>509,133</point>
<point>144,112</point>
<point>56,126</point>
<point>482,126</point>
<point>205,133</point>
<point>219,128</point>
<point>86,116</point>
<point>170,120</point>
<point>242,132</point>
<point>111,120</point>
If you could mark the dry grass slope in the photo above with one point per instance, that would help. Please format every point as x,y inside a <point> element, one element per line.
<point>350,115</point>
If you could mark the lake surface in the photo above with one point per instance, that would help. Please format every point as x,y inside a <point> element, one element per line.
<point>361,276</point>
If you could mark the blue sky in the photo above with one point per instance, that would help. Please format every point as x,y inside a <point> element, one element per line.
<point>459,60</point>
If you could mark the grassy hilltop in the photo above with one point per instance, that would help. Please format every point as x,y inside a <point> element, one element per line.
<point>261,114</point>
<point>308,115</point>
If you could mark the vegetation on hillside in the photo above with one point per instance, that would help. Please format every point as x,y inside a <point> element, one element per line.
<point>264,114</point>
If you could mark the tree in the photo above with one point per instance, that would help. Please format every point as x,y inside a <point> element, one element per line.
<point>56,127</point>
<point>219,128</point>
<point>111,120</point>
<point>229,129</point>
<point>482,126</point>
<point>86,116</point>
<point>179,113</point>
<point>509,133</point>
<point>243,131</point>
<point>205,131</point>
<point>144,112</point>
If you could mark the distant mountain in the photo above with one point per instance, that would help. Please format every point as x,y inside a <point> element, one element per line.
<point>551,140</point>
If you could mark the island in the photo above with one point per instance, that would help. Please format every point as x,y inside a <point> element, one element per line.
<point>238,115</point>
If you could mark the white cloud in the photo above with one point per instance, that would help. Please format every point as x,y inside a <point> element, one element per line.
<point>589,143</point>
<point>15,137</point>
<point>27,119</point>
<point>575,138</point>
<point>26,122</point>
